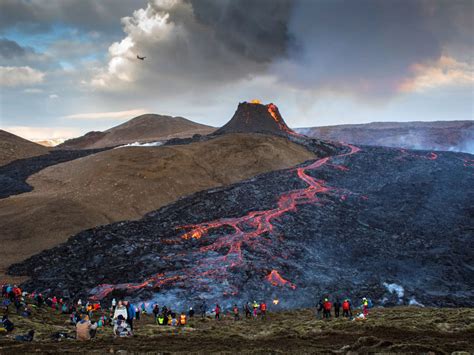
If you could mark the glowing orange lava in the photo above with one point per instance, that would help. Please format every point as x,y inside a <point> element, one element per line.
<point>276,280</point>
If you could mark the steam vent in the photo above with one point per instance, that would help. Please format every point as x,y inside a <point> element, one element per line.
<point>256,117</point>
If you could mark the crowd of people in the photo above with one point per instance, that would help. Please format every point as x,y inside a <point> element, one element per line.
<point>88,316</point>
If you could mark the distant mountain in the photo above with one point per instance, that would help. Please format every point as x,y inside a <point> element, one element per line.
<point>13,147</point>
<point>53,142</point>
<point>144,128</point>
<point>440,135</point>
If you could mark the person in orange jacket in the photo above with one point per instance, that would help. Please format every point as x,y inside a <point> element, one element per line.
<point>263,309</point>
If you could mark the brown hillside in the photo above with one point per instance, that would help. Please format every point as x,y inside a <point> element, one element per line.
<point>144,128</point>
<point>126,183</point>
<point>13,147</point>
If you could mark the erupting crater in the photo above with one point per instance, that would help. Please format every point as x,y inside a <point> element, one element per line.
<point>255,117</point>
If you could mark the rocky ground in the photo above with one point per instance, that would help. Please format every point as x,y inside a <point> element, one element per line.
<point>391,224</point>
<point>399,329</point>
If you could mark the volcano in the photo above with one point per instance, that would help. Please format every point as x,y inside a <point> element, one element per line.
<point>254,117</point>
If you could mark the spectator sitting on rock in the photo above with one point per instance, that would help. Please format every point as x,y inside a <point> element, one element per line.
<point>85,329</point>
<point>26,312</point>
<point>121,327</point>
<point>7,324</point>
<point>5,304</point>
<point>28,337</point>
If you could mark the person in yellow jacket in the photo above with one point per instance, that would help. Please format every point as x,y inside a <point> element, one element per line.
<point>365,307</point>
<point>182,319</point>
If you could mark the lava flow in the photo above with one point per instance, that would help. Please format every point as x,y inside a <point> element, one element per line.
<point>251,230</point>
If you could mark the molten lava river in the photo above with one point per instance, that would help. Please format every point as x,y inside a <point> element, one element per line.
<point>250,230</point>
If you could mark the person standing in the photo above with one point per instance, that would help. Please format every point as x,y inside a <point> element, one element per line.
<point>337,307</point>
<point>327,305</point>
<point>235,310</point>
<point>130,313</point>
<point>156,311</point>
<point>263,310</point>
<point>346,308</point>
<point>217,311</point>
<point>365,307</point>
<point>203,308</point>
<point>248,313</point>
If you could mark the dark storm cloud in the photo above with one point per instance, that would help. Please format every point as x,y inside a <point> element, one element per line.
<point>88,15</point>
<point>255,29</point>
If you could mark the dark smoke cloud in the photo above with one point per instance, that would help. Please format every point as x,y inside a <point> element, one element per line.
<point>368,46</point>
<point>254,29</point>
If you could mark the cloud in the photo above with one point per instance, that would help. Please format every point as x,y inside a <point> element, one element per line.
<point>193,45</point>
<point>446,72</point>
<point>365,48</point>
<point>19,76</point>
<point>116,115</point>
<point>41,133</point>
<point>12,53</point>
<point>34,16</point>
<point>53,96</point>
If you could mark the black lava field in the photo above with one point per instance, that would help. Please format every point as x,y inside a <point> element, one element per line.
<point>390,224</point>
<point>13,176</point>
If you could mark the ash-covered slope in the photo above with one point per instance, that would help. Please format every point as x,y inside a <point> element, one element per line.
<point>13,148</point>
<point>350,225</point>
<point>255,117</point>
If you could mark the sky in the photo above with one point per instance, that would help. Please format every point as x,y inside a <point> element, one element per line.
<point>70,66</point>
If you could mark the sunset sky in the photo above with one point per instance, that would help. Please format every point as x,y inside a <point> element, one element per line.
<point>70,66</point>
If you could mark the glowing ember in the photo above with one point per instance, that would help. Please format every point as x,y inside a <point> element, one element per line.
<point>276,280</point>
<point>256,102</point>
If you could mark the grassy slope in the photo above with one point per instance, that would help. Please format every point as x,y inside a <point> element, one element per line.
<point>399,329</point>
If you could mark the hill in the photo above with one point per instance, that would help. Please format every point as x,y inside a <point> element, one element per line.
<point>144,128</point>
<point>126,183</point>
<point>442,135</point>
<point>13,148</point>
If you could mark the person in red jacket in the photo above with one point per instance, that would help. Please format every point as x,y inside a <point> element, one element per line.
<point>217,310</point>
<point>263,309</point>
<point>346,308</point>
<point>327,308</point>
